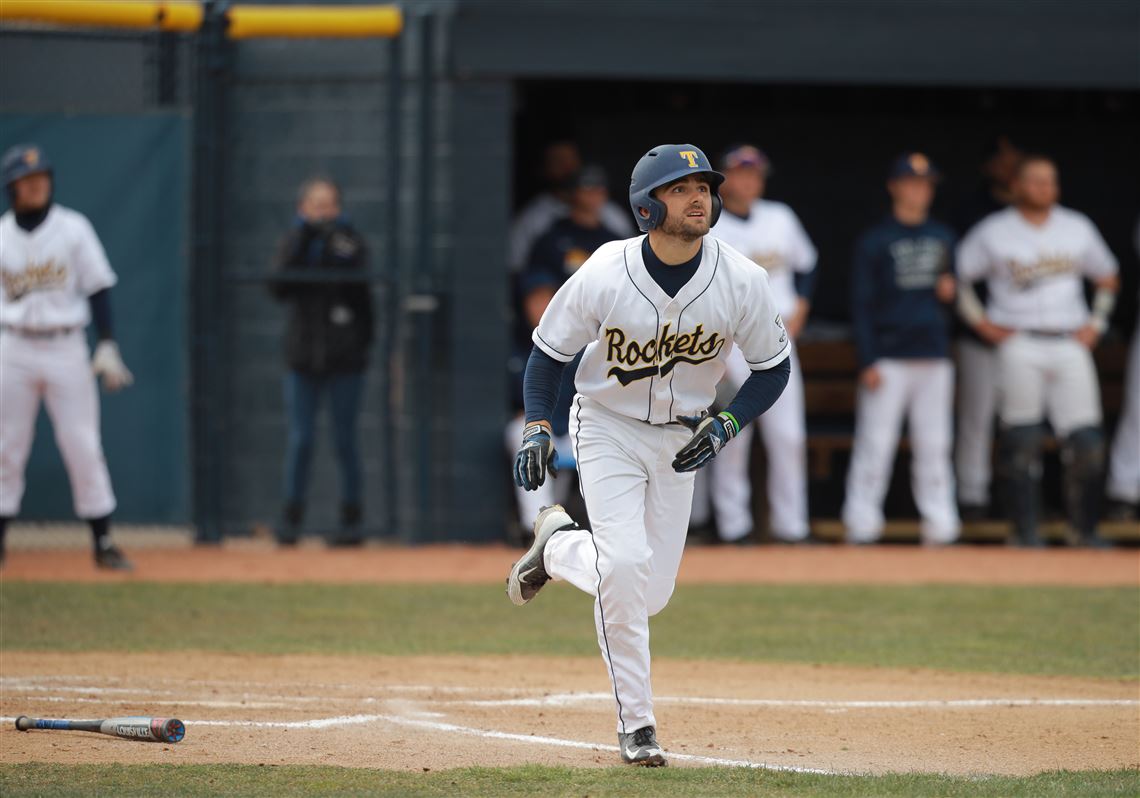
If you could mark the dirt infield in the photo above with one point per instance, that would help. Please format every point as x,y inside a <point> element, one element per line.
<point>257,561</point>
<point>440,712</point>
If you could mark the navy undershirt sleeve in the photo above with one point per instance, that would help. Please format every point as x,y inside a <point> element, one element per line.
<point>759,392</point>
<point>541,382</point>
<point>805,283</point>
<point>100,303</point>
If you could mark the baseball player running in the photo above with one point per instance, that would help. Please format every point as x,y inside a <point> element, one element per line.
<point>54,280</point>
<point>900,283</point>
<point>1033,257</point>
<point>771,235</point>
<point>657,316</point>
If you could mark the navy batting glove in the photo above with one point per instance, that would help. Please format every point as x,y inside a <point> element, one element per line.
<point>535,457</point>
<point>710,434</point>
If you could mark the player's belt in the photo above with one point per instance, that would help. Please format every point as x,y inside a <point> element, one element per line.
<point>38,334</point>
<point>1047,333</point>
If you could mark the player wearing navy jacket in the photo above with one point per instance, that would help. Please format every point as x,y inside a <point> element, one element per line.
<point>901,282</point>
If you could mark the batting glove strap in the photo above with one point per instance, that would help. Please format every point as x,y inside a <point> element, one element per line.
<point>535,458</point>
<point>710,434</point>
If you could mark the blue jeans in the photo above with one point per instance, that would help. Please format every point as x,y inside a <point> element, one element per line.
<point>302,401</point>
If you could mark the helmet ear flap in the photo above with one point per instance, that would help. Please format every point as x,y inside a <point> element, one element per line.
<point>717,207</point>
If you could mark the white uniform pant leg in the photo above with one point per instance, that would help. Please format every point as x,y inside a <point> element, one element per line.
<point>1073,393</point>
<point>977,375</point>
<point>730,487</point>
<point>785,441</point>
<point>1124,462</point>
<point>667,501</point>
<point>614,562</point>
<point>72,399</point>
<point>929,426</point>
<point>553,491</point>
<point>21,386</point>
<point>727,478</point>
<point>878,418</point>
<point>1022,364</point>
<point>701,510</point>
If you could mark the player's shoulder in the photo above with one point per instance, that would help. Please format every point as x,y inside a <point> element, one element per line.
<point>941,230</point>
<point>996,221</point>
<point>732,262</point>
<point>1071,217</point>
<point>773,209</point>
<point>69,217</point>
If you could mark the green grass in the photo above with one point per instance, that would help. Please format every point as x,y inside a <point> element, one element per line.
<point>233,780</point>
<point>1075,631</point>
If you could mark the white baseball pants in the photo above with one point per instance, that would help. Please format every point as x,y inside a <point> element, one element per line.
<point>922,391</point>
<point>1124,463</point>
<point>58,371</point>
<point>782,429</point>
<point>639,512</point>
<point>552,491</point>
<point>977,374</point>
<point>1052,378</point>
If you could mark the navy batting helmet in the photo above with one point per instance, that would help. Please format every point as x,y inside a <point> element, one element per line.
<point>664,164</point>
<point>21,161</point>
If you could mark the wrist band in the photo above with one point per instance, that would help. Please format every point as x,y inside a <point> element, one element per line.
<point>731,425</point>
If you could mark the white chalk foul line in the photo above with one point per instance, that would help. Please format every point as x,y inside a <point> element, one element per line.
<point>490,734</point>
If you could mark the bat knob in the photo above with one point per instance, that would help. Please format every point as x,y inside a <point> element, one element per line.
<point>172,730</point>
<point>23,723</point>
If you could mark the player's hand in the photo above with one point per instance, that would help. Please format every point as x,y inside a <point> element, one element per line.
<point>992,333</point>
<point>1087,336</point>
<point>710,434</point>
<point>795,324</point>
<point>108,364</point>
<point>946,288</point>
<point>871,378</point>
<point>535,457</point>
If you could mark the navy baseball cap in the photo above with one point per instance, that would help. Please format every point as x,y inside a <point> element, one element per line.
<point>21,161</point>
<point>913,164</point>
<point>745,155</point>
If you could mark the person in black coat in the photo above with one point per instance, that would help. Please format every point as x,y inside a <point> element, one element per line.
<point>320,274</point>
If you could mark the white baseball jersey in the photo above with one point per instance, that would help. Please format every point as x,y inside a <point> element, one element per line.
<point>1034,274</point>
<point>46,275</point>
<point>772,237</point>
<point>650,356</point>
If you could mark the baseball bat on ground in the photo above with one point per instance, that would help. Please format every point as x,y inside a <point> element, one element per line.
<point>154,730</point>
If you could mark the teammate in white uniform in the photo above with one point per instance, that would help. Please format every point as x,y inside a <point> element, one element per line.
<point>658,316</point>
<point>1123,486</point>
<point>771,235</point>
<point>1033,257</point>
<point>901,287</point>
<point>54,276</point>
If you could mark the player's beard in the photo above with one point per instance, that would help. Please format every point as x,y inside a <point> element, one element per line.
<point>686,228</point>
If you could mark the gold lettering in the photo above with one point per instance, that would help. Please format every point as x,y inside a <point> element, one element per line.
<point>691,157</point>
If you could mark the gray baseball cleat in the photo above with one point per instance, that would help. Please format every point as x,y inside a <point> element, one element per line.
<point>528,575</point>
<point>641,748</point>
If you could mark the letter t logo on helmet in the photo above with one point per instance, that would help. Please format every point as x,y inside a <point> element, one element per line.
<point>664,164</point>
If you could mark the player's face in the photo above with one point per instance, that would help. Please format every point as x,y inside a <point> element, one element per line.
<point>561,163</point>
<point>913,192</point>
<point>590,199</point>
<point>320,204</point>
<point>32,192</point>
<point>688,207</point>
<point>743,183</point>
<point>1037,185</point>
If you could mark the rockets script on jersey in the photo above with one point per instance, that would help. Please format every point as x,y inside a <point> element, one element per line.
<point>693,348</point>
<point>36,277</point>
